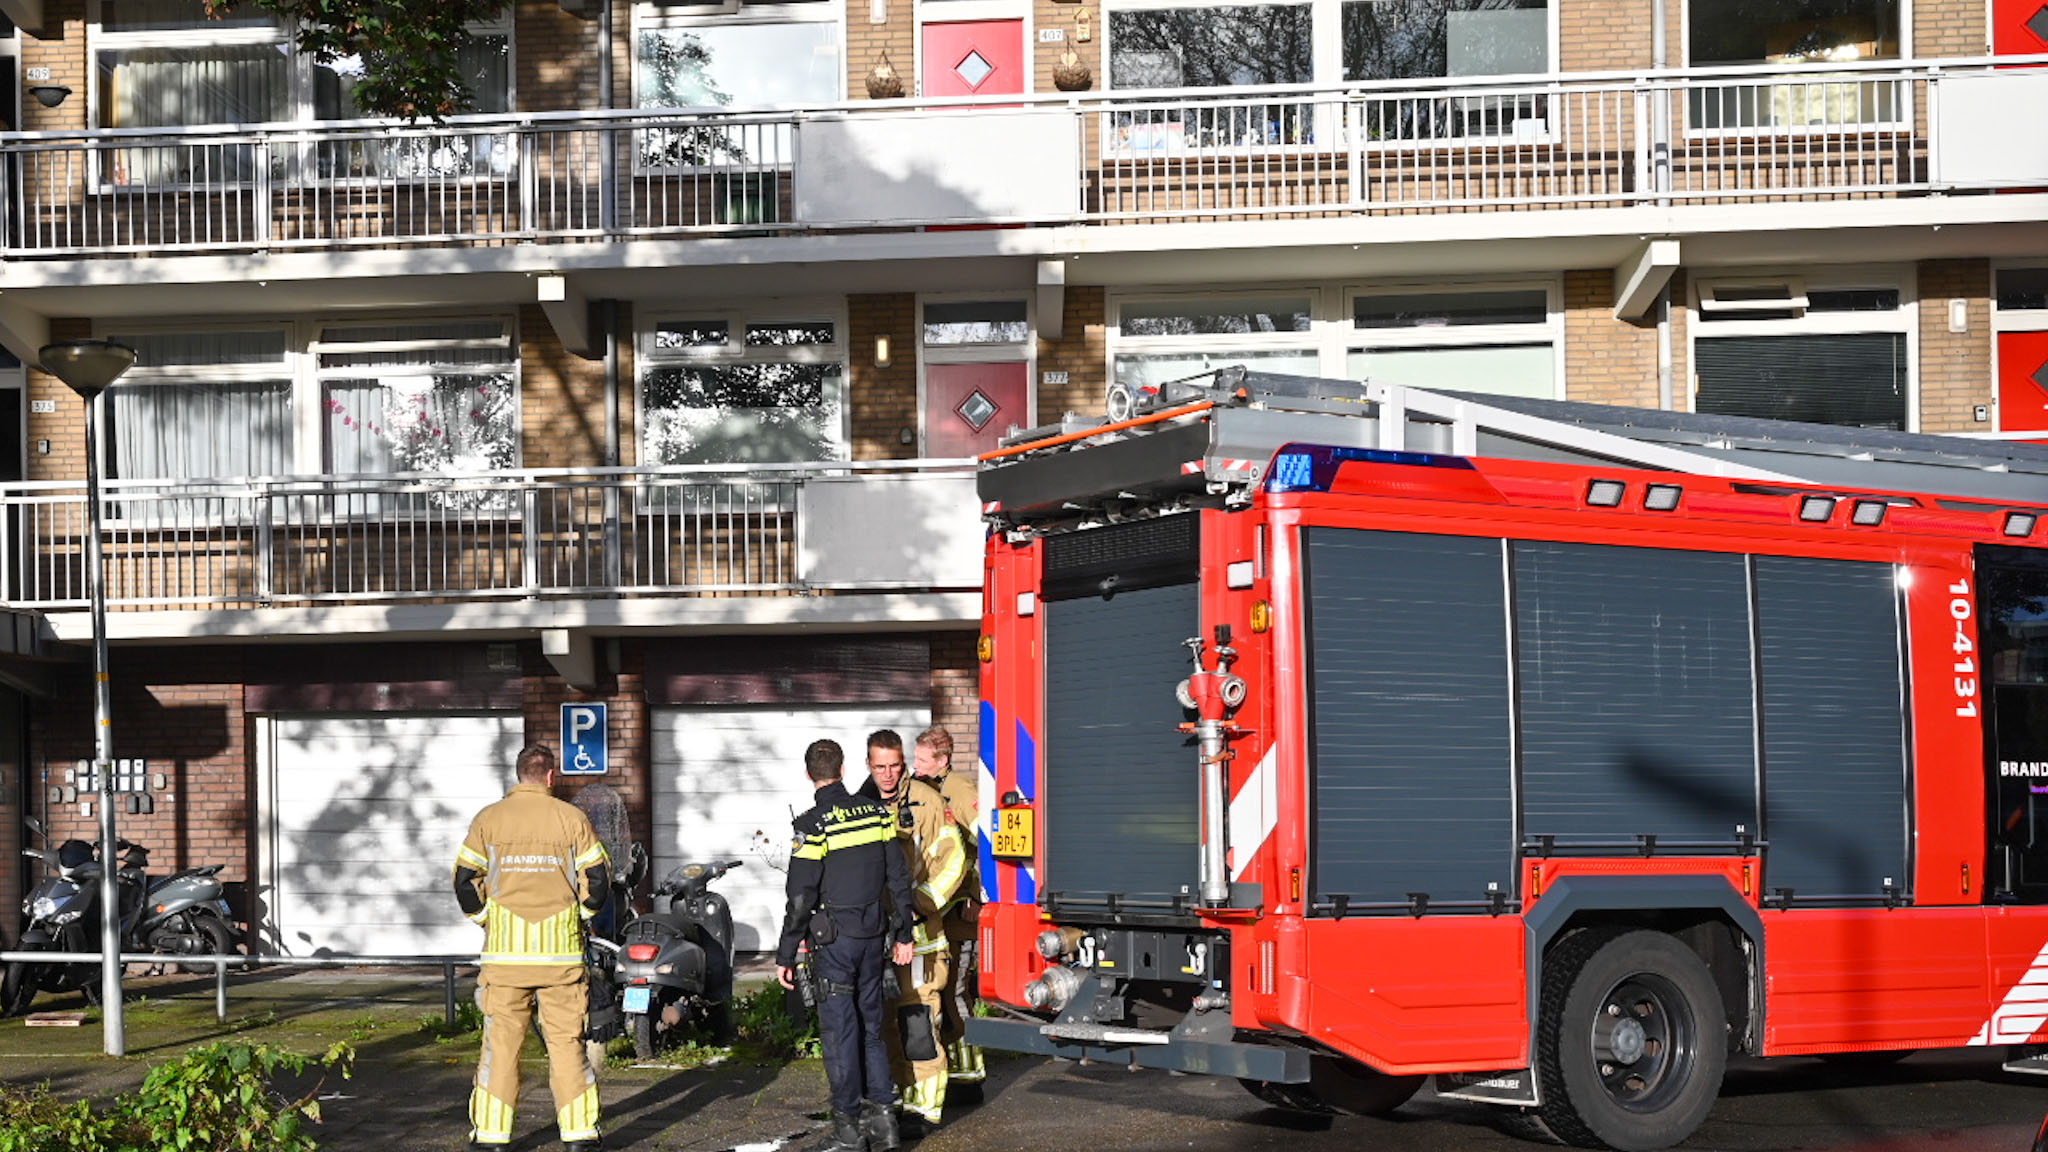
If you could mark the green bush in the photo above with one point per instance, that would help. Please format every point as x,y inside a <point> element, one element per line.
<point>469,1019</point>
<point>216,1098</point>
<point>766,1029</point>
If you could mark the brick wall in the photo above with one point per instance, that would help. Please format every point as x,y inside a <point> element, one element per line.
<point>1060,14</point>
<point>64,428</point>
<point>1081,352</point>
<point>1596,36</point>
<point>561,398</point>
<point>1950,28</point>
<point>180,709</point>
<point>866,41</point>
<point>61,49</point>
<point>622,689</point>
<point>956,693</point>
<point>554,50</point>
<point>884,400</point>
<point>1606,361</point>
<point>1955,367</point>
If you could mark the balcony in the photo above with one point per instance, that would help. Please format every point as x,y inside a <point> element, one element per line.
<point>1585,140</point>
<point>789,530</point>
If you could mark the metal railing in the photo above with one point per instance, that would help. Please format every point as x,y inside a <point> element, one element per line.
<point>261,542</point>
<point>1574,139</point>
<point>220,965</point>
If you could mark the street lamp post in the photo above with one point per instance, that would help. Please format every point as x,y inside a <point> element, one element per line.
<point>89,367</point>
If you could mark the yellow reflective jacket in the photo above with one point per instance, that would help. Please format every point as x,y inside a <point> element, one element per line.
<point>532,851</point>
<point>932,848</point>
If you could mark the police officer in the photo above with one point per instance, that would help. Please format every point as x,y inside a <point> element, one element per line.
<point>843,865</point>
<point>932,762</point>
<point>931,846</point>
<point>531,871</point>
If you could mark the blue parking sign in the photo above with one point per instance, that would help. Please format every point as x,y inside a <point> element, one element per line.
<point>583,740</point>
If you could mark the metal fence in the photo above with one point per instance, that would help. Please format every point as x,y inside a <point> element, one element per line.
<point>221,964</point>
<point>1584,139</point>
<point>508,534</point>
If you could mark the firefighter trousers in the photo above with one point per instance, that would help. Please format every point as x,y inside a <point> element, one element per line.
<point>509,1000</point>
<point>925,982</point>
<point>963,1060</point>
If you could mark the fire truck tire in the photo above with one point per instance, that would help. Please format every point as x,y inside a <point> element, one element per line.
<point>1340,1086</point>
<point>1631,1040</point>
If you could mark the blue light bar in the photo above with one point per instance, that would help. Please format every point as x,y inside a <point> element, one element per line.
<point>1313,467</point>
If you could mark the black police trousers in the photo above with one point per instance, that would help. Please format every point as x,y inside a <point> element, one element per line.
<point>850,1021</point>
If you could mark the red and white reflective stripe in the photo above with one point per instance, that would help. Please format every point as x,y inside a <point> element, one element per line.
<point>1191,467</point>
<point>1253,812</point>
<point>991,506</point>
<point>2024,1009</point>
<point>1238,465</point>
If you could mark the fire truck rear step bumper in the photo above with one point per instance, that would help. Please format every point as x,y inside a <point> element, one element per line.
<point>1140,1048</point>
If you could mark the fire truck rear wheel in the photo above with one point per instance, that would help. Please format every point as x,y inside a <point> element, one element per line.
<point>1339,1086</point>
<point>1631,1039</point>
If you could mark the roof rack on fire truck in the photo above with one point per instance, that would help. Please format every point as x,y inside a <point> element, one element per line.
<point>1209,438</point>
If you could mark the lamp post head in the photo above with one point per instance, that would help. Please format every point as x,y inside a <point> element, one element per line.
<point>87,367</point>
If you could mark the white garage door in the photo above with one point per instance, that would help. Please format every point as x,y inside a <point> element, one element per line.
<point>728,780</point>
<point>366,813</point>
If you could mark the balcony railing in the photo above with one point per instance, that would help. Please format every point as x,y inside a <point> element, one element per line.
<point>1581,139</point>
<point>771,530</point>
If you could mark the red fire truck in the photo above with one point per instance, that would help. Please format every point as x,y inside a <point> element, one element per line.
<point>1336,736</point>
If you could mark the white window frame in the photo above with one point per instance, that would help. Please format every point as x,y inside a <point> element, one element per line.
<point>1905,319</point>
<point>301,367</point>
<point>299,87</point>
<point>1219,345</point>
<point>737,315</point>
<point>650,16</point>
<point>992,352</point>
<point>1368,340</point>
<point>313,430</point>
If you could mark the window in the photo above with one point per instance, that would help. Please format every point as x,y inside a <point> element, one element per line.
<point>953,324</point>
<point>202,405</point>
<point>1802,32</point>
<point>1418,39</point>
<point>1167,338</point>
<point>742,390</point>
<point>705,57</point>
<point>1844,358</point>
<point>438,398</point>
<point>2022,289</point>
<point>165,63</point>
<point>1502,341</point>
<point>367,397</point>
<point>1213,47</point>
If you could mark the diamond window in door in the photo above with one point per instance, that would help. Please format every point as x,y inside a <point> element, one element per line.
<point>2038,24</point>
<point>974,69</point>
<point>977,410</point>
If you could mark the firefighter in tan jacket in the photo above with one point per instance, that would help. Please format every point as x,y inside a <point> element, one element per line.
<point>931,844</point>
<point>531,871</point>
<point>932,762</point>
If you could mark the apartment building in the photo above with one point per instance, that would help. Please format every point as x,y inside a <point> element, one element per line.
<point>649,383</point>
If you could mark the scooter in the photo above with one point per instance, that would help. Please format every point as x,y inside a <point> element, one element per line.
<point>675,967</point>
<point>179,914</point>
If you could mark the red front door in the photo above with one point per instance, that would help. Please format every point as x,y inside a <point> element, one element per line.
<point>2022,381</point>
<point>968,407</point>
<point>974,58</point>
<point>2019,27</point>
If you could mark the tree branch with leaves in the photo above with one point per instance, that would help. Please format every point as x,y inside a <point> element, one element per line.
<point>410,50</point>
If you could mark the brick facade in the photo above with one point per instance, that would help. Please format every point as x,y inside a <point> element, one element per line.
<point>1955,367</point>
<point>1082,352</point>
<point>884,400</point>
<point>1607,361</point>
<point>866,41</point>
<point>1950,28</point>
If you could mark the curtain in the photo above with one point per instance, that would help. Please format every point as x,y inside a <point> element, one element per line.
<point>181,87</point>
<point>194,431</point>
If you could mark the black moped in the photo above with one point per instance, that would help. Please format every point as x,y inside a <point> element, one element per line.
<point>674,968</point>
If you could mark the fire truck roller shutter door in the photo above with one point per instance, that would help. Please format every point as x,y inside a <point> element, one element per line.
<point>1834,738</point>
<point>1409,726</point>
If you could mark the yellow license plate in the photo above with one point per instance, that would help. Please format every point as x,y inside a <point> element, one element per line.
<point>1013,833</point>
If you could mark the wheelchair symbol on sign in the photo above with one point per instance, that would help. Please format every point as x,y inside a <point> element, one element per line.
<point>583,761</point>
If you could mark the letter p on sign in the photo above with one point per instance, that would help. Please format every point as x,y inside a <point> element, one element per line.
<point>583,740</point>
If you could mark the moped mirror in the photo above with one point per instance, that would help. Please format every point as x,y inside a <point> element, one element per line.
<point>34,825</point>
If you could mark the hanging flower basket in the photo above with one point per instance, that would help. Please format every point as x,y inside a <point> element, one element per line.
<point>883,82</point>
<point>1070,75</point>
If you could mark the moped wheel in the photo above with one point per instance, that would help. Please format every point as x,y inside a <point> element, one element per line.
<point>18,988</point>
<point>642,1024</point>
<point>213,939</point>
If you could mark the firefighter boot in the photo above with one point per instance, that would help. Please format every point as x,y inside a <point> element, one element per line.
<point>846,1136</point>
<point>878,1125</point>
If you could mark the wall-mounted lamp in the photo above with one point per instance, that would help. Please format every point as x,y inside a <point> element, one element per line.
<point>49,95</point>
<point>881,351</point>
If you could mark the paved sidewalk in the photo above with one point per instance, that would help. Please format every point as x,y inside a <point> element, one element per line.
<point>410,1086</point>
